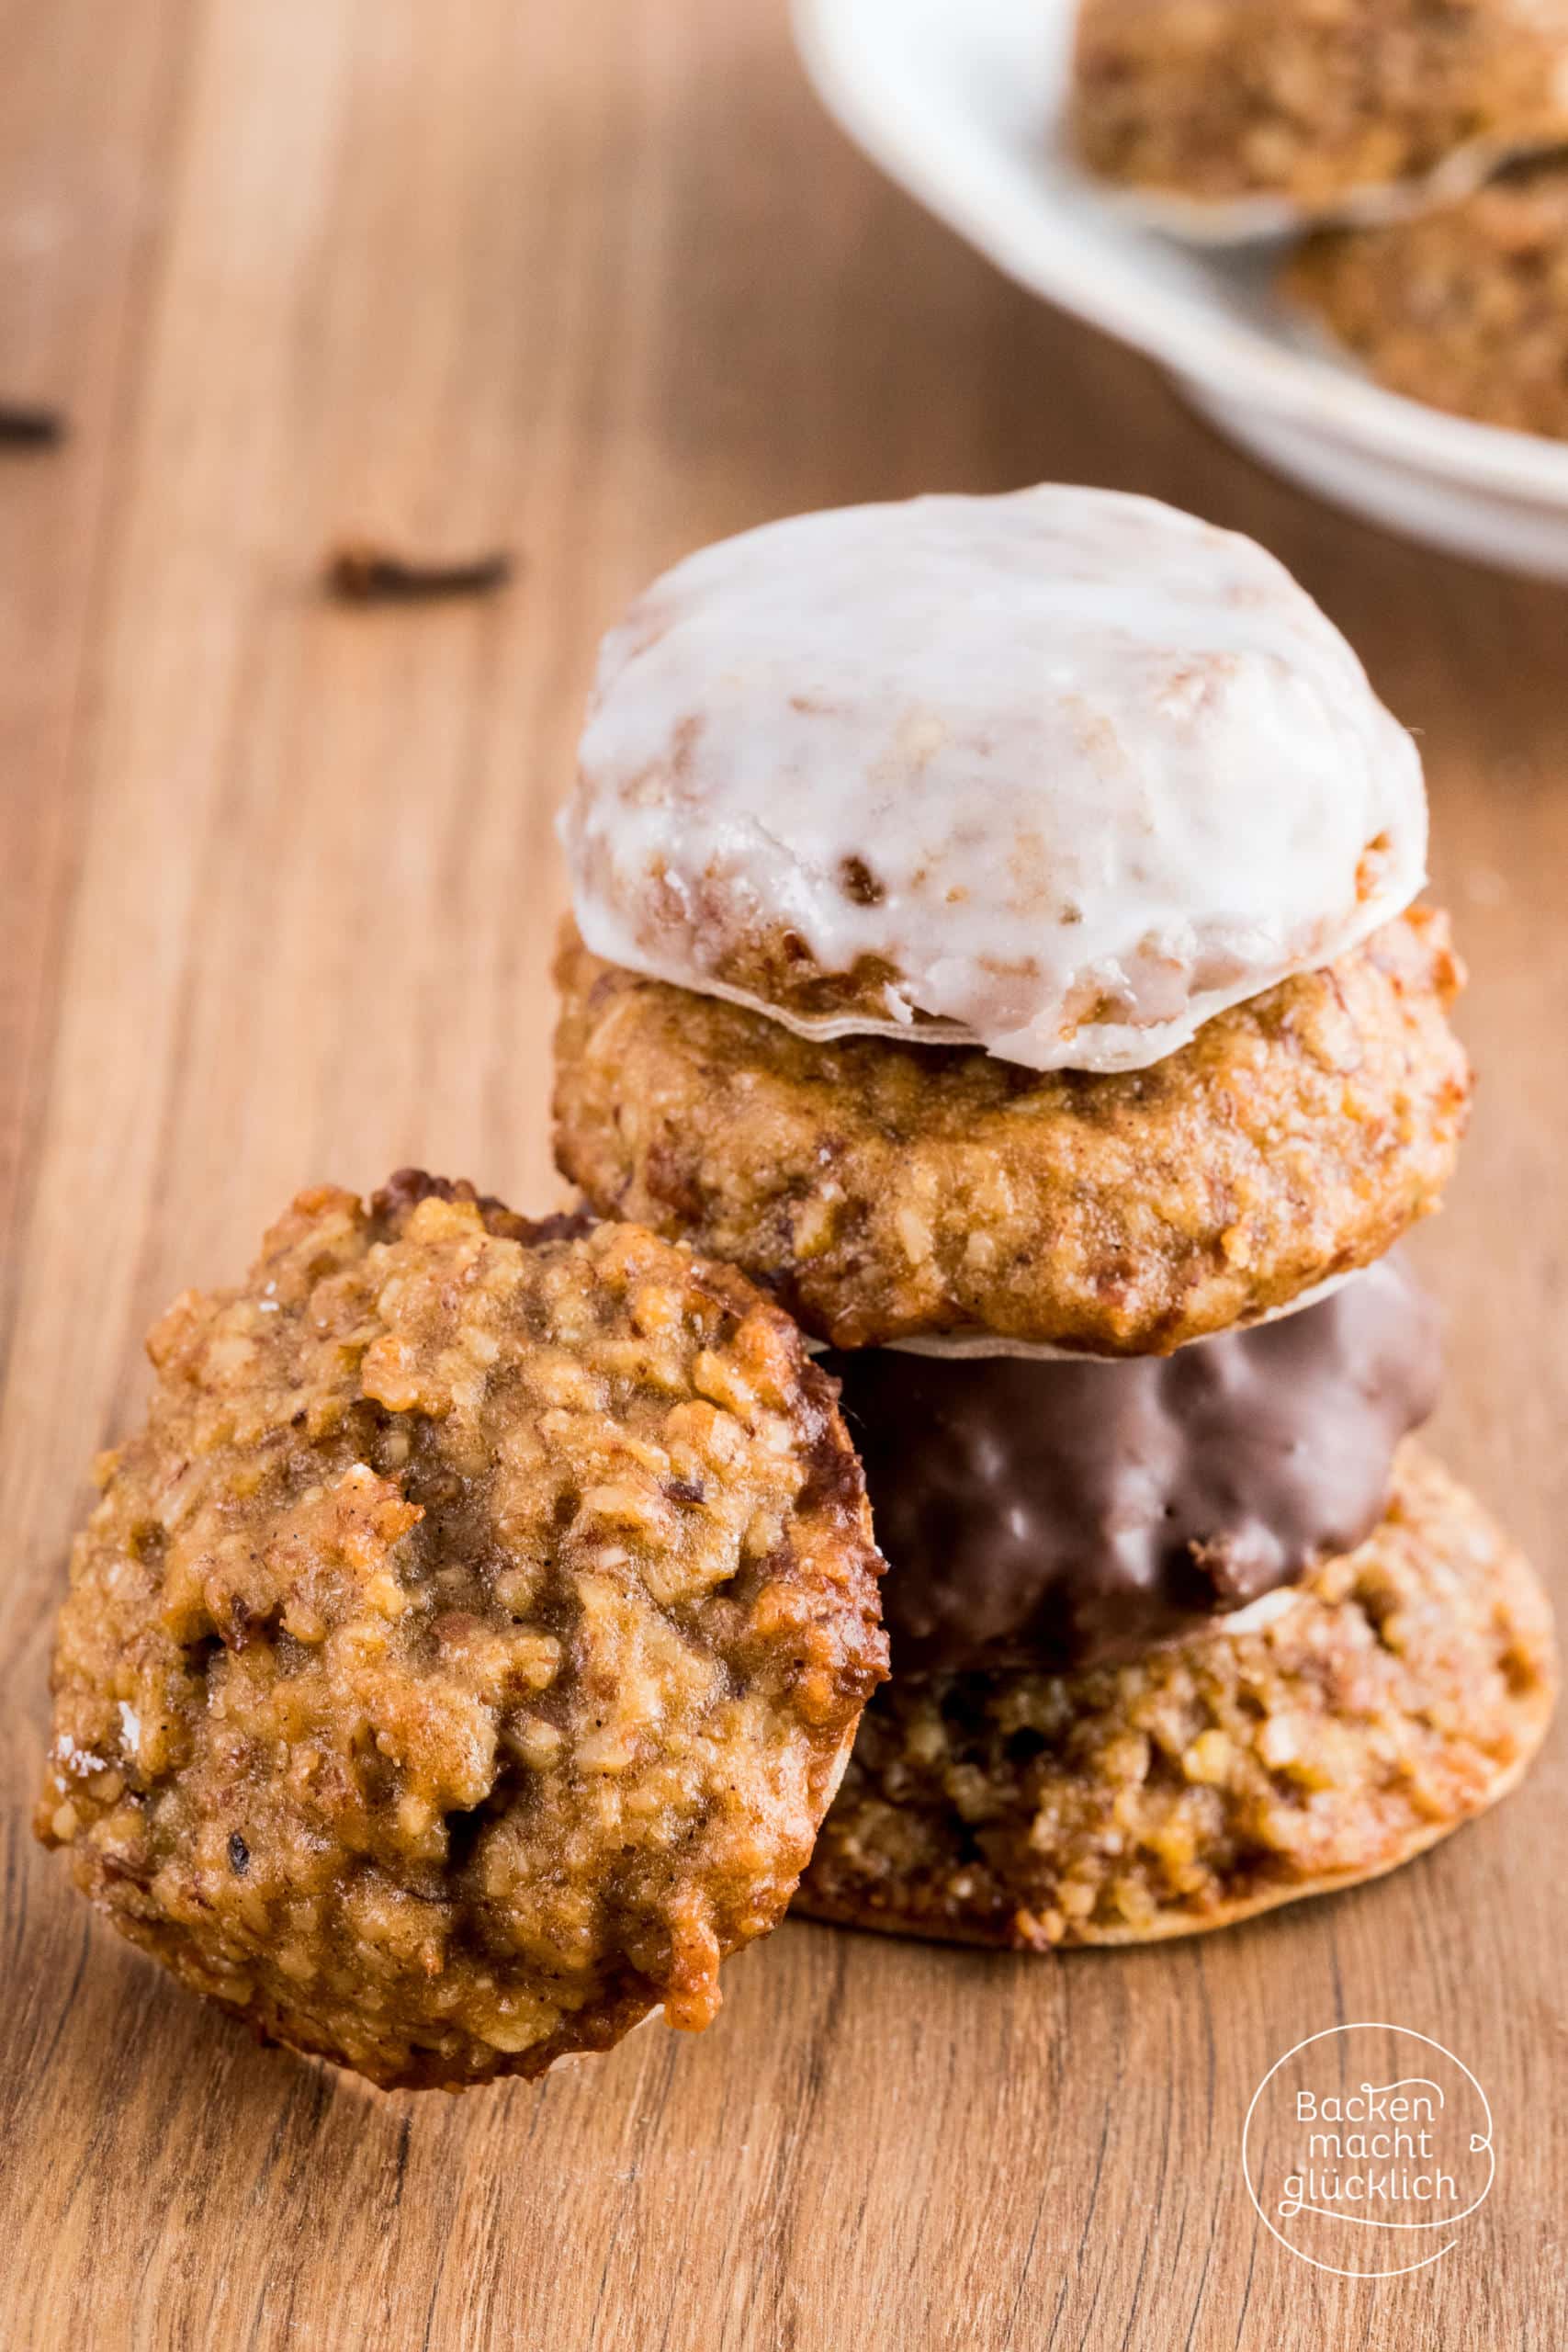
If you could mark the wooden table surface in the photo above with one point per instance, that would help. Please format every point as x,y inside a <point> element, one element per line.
<point>276,892</point>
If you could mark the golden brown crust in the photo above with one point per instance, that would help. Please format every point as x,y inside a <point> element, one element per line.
<point>772,964</point>
<point>1405,1690</point>
<point>458,1663</point>
<point>1465,309</point>
<point>1311,101</point>
<point>883,1191</point>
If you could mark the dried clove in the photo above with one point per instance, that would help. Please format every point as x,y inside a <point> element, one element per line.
<point>24,427</point>
<point>360,573</point>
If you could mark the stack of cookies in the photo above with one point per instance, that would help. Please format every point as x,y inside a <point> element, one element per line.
<point>994,934</point>
<point>996,939</point>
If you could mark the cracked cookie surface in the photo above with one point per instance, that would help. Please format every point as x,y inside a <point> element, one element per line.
<point>459,1663</point>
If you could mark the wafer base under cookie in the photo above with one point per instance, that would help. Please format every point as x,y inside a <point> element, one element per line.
<point>1406,1690</point>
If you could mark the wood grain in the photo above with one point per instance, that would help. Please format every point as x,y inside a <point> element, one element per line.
<point>277,890</point>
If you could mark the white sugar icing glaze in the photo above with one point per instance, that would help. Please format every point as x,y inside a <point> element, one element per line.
<point>1108,769</point>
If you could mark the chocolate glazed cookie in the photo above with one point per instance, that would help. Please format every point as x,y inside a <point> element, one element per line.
<point>1403,1691</point>
<point>1051,1514</point>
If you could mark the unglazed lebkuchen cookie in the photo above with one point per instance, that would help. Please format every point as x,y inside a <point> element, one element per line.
<point>1322,104</point>
<point>885,1191</point>
<point>1466,308</point>
<point>457,1665</point>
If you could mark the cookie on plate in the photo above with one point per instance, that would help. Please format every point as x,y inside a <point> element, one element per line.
<point>1466,308</point>
<point>1318,102</point>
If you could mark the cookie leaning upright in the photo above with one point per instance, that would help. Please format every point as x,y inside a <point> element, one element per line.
<point>460,1661</point>
<point>994,932</point>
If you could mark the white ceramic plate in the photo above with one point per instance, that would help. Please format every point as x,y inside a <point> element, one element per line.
<point>960,100</point>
